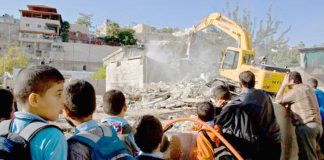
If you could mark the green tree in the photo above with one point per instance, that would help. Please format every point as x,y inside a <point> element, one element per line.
<point>65,31</point>
<point>118,36</point>
<point>13,59</point>
<point>106,39</point>
<point>85,19</point>
<point>126,36</point>
<point>112,29</point>
<point>99,74</point>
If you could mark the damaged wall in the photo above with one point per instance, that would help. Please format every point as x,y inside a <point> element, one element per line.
<point>136,72</point>
<point>125,73</point>
<point>165,58</point>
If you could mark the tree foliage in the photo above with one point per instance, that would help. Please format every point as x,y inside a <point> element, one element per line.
<point>85,19</point>
<point>99,74</point>
<point>126,36</point>
<point>65,31</point>
<point>115,35</point>
<point>112,29</point>
<point>13,59</point>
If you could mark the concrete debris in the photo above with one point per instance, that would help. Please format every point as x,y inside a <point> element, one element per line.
<point>161,95</point>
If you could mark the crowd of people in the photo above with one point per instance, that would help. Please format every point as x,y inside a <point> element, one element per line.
<point>247,121</point>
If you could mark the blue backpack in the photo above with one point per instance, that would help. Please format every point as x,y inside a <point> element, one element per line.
<point>107,147</point>
<point>15,146</point>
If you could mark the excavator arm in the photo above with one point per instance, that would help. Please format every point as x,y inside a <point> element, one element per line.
<point>228,26</point>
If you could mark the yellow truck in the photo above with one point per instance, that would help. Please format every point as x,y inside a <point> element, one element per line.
<point>241,58</point>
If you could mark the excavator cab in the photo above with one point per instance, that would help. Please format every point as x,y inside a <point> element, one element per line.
<point>230,60</point>
<point>234,61</point>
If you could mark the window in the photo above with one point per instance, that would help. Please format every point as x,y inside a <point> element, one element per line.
<point>248,59</point>
<point>230,60</point>
<point>27,25</point>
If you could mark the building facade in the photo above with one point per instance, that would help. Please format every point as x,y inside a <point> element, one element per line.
<point>39,30</point>
<point>9,27</point>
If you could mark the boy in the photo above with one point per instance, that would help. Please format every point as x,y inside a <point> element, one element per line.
<point>6,106</point>
<point>206,140</point>
<point>115,106</point>
<point>38,90</point>
<point>80,105</point>
<point>148,137</point>
<point>221,95</point>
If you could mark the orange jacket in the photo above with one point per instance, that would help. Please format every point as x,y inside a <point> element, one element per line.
<point>204,149</point>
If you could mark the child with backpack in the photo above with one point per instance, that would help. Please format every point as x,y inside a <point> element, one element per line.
<point>148,137</point>
<point>7,105</point>
<point>114,105</point>
<point>38,91</point>
<point>90,140</point>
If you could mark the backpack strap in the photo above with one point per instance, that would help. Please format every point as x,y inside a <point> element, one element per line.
<point>90,139</point>
<point>33,128</point>
<point>209,139</point>
<point>85,138</point>
<point>5,127</point>
<point>107,131</point>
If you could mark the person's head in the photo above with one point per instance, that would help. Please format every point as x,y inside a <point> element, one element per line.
<point>295,78</point>
<point>247,79</point>
<point>6,105</point>
<point>313,83</point>
<point>205,111</point>
<point>80,101</point>
<point>38,90</point>
<point>221,92</point>
<point>149,133</point>
<point>114,103</point>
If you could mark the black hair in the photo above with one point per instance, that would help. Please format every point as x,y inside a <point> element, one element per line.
<point>247,79</point>
<point>6,105</point>
<point>113,102</point>
<point>35,79</point>
<point>296,77</point>
<point>80,98</point>
<point>149,133</point>
<point>205,111</point>
<point>222,92</point>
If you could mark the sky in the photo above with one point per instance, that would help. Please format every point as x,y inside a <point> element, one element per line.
<point>305,17</point>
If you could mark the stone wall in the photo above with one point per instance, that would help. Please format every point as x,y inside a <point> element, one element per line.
<point>125,73</point>
<point>75,55</point>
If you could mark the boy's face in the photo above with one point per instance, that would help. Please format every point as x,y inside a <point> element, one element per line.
<point>50,104</point>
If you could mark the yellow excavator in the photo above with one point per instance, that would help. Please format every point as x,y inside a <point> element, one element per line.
<point>242,58</point>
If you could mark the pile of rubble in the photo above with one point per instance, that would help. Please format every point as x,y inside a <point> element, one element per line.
<point>160,95</point>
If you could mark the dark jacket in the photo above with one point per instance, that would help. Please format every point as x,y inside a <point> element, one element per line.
<point>249,122</point>
<point>255,110</point>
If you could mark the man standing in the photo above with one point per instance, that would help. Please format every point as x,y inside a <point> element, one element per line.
<point>319,95</point>
<point>301,100</point>
<point>320,99</point>
<point>248,122</point>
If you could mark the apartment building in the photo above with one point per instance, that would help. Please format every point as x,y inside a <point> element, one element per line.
<point>39,30</point>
